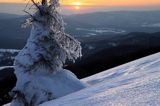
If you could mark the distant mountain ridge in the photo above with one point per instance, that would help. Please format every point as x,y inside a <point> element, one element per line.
<point>101,53</point>
<point>83,26</point>
<point>90,24</point>
<point>115,51</point>
<point>8,16</point>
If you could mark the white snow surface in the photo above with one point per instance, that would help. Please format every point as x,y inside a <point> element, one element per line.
<point>60,83</point>
<point>134,84</point>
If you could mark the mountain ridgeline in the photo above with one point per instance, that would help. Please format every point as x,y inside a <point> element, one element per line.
<point>83,25</point>
<point>107,40</point>
<point>101,53</point>
<point>115,51</point>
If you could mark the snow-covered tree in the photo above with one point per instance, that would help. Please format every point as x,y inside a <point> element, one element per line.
<point>39,65</point>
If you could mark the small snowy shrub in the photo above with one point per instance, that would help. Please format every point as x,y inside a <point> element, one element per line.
<point>39,65</point>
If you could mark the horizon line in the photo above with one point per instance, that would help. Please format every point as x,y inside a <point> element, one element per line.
<point>89,5</point>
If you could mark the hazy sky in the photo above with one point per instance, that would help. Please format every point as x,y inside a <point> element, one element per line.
<point>82,6</point>
<point>102,2</point>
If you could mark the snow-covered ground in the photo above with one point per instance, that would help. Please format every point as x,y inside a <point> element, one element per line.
<point>97,31</point>
<point>133,84</point>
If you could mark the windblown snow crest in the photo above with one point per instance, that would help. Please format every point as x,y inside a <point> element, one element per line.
<point>134,84</point>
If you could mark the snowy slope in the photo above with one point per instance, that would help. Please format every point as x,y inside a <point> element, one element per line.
<point>133,84</point>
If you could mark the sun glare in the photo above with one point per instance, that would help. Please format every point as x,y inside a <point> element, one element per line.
<point>76,3</point>
<point>77,7</point>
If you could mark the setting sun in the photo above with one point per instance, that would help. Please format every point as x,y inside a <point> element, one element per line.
<point>99,2</point>
<point>76,3</point>
<point>77,7</point>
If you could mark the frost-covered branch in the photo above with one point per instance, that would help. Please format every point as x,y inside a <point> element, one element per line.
<point>43,57</point>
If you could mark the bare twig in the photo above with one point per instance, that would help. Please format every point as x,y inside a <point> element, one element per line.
<point>34,19</point>
<point>27,5</point>
<point>35,4</point>
<point>37,7</point>
<point>44,2</point>
<point>29,14</point>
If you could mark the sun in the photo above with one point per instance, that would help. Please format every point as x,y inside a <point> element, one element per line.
<point>76,5</point>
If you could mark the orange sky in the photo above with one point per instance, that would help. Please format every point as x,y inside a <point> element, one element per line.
<point>103,2</point>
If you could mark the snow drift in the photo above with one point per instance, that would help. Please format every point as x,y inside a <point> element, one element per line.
<point>134,84</point>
